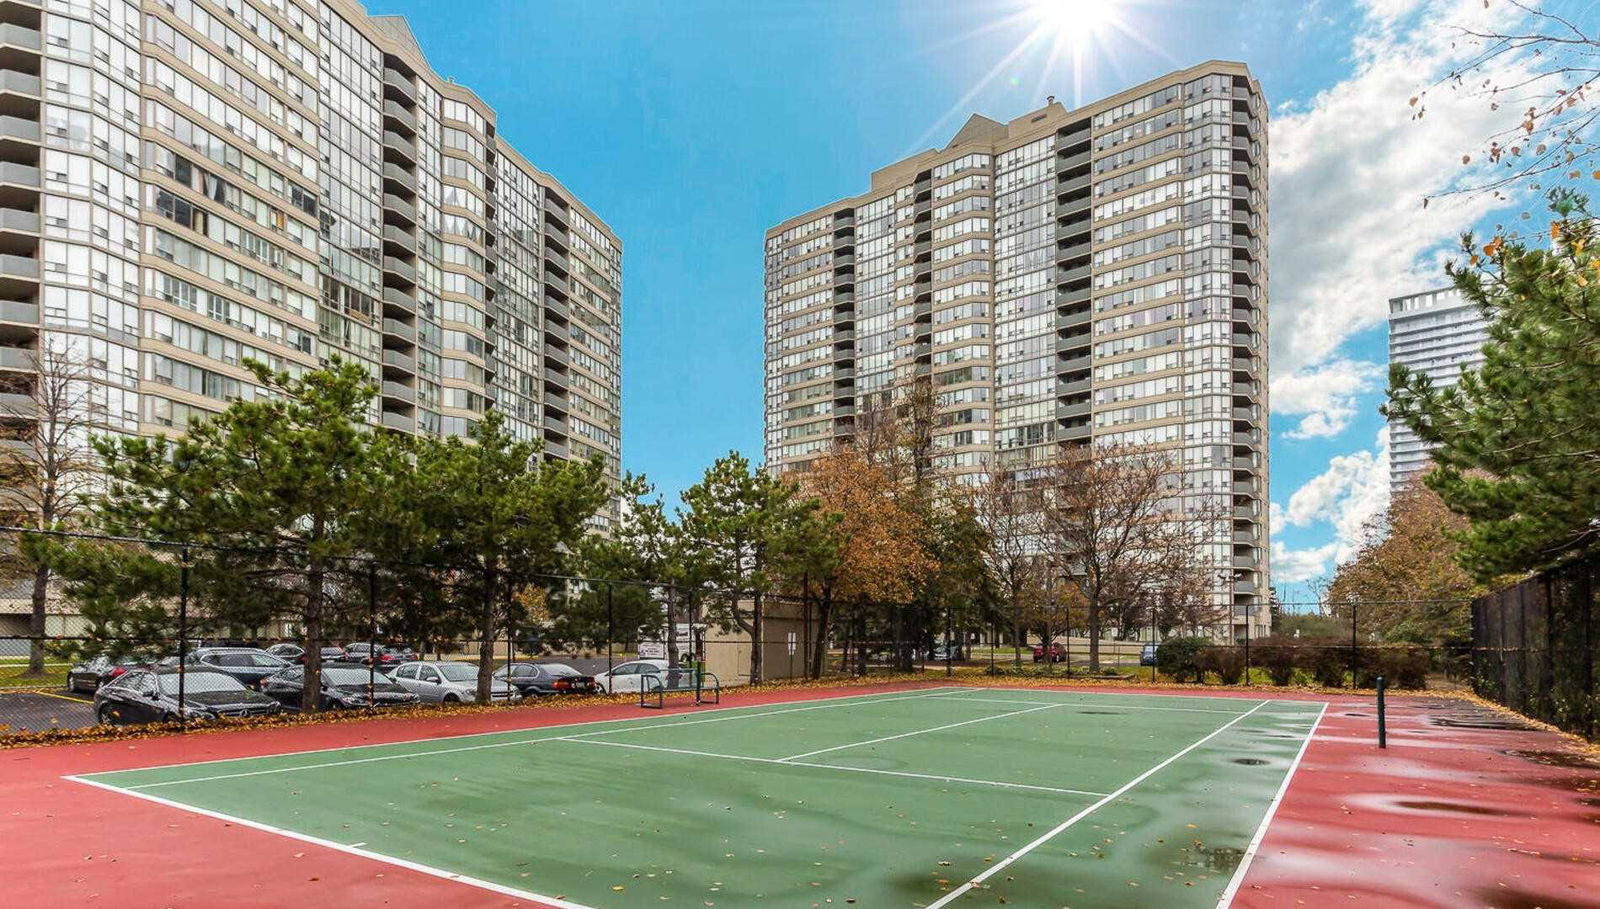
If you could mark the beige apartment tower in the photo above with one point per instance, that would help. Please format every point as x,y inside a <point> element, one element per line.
<point>1069,277</point>
<point>185,184</point>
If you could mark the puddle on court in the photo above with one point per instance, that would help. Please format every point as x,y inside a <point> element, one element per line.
<point>1473,722</point>
<point>1506,898</point>
<point>1555,758</point>
<point>1457,807</point>
<point>1249,762</point>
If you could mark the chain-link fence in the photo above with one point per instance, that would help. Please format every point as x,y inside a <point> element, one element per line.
<point>1534,646</point>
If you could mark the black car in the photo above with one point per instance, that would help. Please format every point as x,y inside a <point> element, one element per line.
<point>89,675</point>
<point>538,679</point>
<point>151,696</point>
<point>289,653</point>
<point>247,664</point>
<point>342,687</point>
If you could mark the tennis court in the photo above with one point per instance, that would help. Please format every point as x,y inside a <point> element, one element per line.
<point>925,798</point>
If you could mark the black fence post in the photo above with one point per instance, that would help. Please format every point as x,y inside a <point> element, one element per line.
<point>372,634</point>
<point>994,642</point>
<point>1383,729</point>
<point>1153,632</point>
<point>1247,645</point>
<point>183,636</point>
<point>1353,645</point>
<point>611,628</point>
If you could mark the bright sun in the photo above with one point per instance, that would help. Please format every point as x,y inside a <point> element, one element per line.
<point>1076,19</point>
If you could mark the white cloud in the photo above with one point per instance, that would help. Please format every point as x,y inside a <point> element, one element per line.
<point>1350,169</point>
<point>1353,490</point>
<point>1325,394</point>
<point>1292,566</point>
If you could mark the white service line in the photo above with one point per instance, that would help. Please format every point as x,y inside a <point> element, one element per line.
<point>1079,704</point>
<point>906,735</point>
<point>541,899</point>
<point>994,869</point>
<point>790,763</point>
<point>831,703</point>
<point>1272,809</point>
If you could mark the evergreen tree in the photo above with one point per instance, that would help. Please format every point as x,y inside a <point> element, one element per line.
<point>1518,440</point>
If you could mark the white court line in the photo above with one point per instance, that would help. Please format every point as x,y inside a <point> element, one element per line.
<point>540,898</point>
<point>1080,704</point>
<point>906,735</point>
<point>994,869</point>
<point>830,703</point>
<point>819,702</point>
<point>790,763</point>
<point>1272,809</point>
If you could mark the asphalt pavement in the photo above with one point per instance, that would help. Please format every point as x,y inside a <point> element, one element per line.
<point>36,711</point>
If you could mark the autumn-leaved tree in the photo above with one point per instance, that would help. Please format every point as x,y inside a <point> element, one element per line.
<point>876,554</point>
<point>1405,583</point>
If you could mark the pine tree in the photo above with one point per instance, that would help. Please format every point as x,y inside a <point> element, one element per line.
<point>1518,440</point>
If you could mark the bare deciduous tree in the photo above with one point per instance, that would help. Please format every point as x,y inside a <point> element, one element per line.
<point>47,464</point>
<point>1118,533</point>
<point>1548,104</point>
<point>1011,515</point>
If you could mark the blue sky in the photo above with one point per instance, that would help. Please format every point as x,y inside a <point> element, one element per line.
<point>691,127</point>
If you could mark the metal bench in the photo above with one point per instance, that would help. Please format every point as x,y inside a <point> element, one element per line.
<point>655,686</point>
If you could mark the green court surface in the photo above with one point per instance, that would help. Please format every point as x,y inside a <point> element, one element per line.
<point>927,798</point>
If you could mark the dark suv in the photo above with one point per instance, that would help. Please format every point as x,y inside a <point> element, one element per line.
<point>247,664</point>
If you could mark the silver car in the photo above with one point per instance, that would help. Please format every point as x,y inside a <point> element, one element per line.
<point>448,682</point>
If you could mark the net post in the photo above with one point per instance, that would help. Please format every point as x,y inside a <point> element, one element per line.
<point>1383,728</point>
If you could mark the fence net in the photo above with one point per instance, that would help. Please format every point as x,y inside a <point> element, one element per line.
<point>1534,647</point>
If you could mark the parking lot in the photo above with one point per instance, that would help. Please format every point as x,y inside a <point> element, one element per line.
<point>38,710</point>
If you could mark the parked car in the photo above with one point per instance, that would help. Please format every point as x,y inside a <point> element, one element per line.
<point>1058,653</point>
<point>539,679</point>
<point>89,675</point>
<point>151,695</point>
<point>247,664</point>
<point>1147,654</point>
<point>343,686</point>
<point>629,676</point>
<point>387,656</point>
<point>448,682</point>
<point>289,653</point>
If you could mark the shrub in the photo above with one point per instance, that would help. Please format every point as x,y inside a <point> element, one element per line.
<point>1326,660</point>
<point>1401,665</point>
<point>1277,657</point>
<point>1178,658</point>
<point>1226,661</point>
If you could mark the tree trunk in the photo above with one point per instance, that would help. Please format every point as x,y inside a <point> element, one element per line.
<point>311,689</point>
<point>41,588</point>
<point>819,646</point>
<point>1094,636</point>
<point>486,640</point>
<point>757,630</point>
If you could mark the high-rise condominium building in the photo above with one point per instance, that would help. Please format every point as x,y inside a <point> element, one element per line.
<point>185,184</point>
<point>1437,333</point>
<point>1068,278</point>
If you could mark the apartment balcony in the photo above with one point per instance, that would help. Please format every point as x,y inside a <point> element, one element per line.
<point>399,180</point>
<point>1245,339</point>
<point>405,211</point>
<point>1246,488</point>
<point>844,373</point>
<point>19,47</point>
<point>400,146</point>
<point>18,359</point>
<point>1072,185</point>
<point>400,329</point>
<point>1069,162</point>
<point>1250,512</point>
<point>844,221</point>
<point>844,410</point>
<point>556,378</point>
<point>19,275</point>
<point>1076,432</point>
<point>399,421</point>
<point>395,361</point>
<point>1246,463</point>
<point>19,94</point>
<point>14,405</point>
<point>557,355</point>
<point>397,115</point>
<point>557,449</point>
<point>394,391</point>
<point>1247,537</point>
<point>1071,275</point>
<point>395,268</point>
<point>559,259</point>
<point>1246,414</point>
<point>1072,411</point>
<point>1065,388</point>
<point>1247,438</point>
<point>558,330</point>
<point>1246,390</point>
<point>555,400</point>
<point>1074,319</point>
<point>19,232</point>
<point>403,240</point>
<point>556,424</point>
<point>844,335</point>
<point>1072,363</point>
<point>13,312</point>
<point>558,284</point>
<point>398,85</point>
<point>1245,364</point>
<point>1072,297</point>
<point>555,307</point>
<point>556,235</point>
<point>401,300</point>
